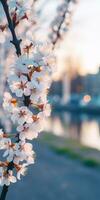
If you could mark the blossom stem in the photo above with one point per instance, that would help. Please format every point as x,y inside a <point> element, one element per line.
<point>15,41</point>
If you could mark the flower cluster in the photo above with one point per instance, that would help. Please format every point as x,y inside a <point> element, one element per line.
<point>27,106</point>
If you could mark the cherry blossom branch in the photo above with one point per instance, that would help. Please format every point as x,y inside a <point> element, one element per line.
<point>16,42</point>
<point>29,81</point>
<point>26,100</point>
<point>60,24</point>
<point>61,21</point>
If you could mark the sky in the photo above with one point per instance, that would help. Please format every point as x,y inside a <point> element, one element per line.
<point>83,39</point>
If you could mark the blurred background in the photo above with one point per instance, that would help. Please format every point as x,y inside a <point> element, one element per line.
<point>75,91</point>
<point>68,151</point>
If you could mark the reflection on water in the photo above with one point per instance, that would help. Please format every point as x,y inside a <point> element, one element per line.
<point>84,128</point>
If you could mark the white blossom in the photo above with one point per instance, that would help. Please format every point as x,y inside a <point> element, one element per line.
<point>22,115</point>
<point>9,178</point>
<point>47,110</point>
<point>9,102</point>
<point>22,170</point>
<point>20,86</point>
<point>27,131</point>
<point>25,152</point>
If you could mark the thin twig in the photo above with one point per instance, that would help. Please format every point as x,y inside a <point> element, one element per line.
<point>60,24</point>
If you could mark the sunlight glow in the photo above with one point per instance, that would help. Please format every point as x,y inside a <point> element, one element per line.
<point>87,98</point>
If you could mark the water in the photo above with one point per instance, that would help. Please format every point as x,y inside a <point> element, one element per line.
<point>81,127</point>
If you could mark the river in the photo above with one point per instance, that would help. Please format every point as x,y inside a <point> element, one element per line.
<point>81,127</point>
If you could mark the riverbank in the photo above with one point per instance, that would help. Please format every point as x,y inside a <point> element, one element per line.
<point>72,148</point>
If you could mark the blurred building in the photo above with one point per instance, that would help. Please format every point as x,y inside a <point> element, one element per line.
<point>56,88</point>
<point>88,84</point>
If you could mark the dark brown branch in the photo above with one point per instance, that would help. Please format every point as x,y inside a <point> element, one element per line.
<point>4,192</point>
<point>16,42</point>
